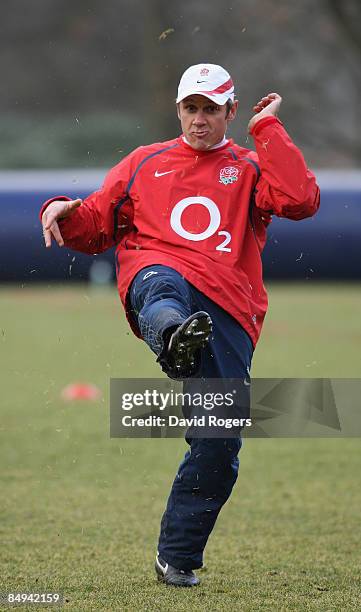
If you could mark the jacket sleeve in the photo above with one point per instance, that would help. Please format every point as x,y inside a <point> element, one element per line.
<point>286,187</point>
<point>104,217</point>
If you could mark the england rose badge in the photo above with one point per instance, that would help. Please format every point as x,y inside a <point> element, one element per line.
<point>228,175</point>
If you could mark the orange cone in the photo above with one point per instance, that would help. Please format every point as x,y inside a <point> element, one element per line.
<point>81,391</point>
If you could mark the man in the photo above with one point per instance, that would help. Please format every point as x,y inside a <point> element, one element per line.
<point>189,219</point>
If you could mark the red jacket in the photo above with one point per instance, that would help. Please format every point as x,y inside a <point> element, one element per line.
<point>203,213</point>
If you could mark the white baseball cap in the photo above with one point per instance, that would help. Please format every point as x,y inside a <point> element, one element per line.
<point>208,80</point>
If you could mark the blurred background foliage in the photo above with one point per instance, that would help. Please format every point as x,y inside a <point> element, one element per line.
<point>85,82</point>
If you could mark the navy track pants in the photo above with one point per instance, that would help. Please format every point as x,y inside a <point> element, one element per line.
<point>161,298</point>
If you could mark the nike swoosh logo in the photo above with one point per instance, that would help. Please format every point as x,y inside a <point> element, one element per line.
<point>201,81</point>
<point>156,173</point>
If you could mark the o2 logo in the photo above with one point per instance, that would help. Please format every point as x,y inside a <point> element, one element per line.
<point>214,222</point>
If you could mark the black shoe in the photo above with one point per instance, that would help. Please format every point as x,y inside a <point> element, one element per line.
<point>172,576</point>
<point>181,358</point>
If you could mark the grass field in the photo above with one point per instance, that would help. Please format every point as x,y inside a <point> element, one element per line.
<point>80,512</point>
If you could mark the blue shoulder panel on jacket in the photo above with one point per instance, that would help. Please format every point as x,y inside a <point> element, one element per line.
<point>130,183</point>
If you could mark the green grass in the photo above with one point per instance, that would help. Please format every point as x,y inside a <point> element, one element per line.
<point>80,512</point>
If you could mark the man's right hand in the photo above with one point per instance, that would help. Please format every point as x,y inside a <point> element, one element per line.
<point>58,209</point>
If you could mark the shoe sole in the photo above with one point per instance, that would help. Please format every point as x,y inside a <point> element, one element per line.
<point>192,335</point>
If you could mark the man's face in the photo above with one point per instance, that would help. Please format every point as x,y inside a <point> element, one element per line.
<point>203,122</point>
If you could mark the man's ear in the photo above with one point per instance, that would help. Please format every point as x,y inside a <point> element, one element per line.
<point>233,111</point>
<point>178,113</point>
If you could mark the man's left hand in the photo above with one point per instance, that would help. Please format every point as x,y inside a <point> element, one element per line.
<point>266,107</point>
